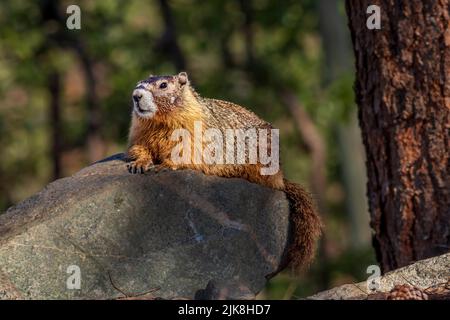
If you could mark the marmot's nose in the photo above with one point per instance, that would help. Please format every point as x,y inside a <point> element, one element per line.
<point>137,95</point>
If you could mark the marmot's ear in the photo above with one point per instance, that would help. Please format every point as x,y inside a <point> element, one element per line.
<point>182,78</point>
<point>150,75</point>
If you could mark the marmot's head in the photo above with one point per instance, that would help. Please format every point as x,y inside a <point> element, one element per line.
<point>158,94</point>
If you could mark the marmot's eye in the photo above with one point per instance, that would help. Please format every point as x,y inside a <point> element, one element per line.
<point>163,85</point>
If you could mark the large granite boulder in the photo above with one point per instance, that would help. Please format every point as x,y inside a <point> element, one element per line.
<point>113,234</point>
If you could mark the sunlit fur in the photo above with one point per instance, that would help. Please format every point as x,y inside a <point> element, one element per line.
<point>179,106</point>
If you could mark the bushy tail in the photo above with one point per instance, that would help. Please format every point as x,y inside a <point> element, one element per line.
<point>306,225</point>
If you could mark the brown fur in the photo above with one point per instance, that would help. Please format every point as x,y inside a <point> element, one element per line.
<point>150,144</point>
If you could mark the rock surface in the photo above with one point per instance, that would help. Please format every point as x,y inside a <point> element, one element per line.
<point>423,274</point>
<point>130,234</point>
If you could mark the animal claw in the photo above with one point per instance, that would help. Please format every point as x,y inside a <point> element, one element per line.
<point>137,167</point>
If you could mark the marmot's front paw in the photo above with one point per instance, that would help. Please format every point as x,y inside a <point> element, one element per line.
<point>138,166</point>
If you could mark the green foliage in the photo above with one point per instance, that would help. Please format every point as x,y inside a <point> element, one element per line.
<point>122,40</point>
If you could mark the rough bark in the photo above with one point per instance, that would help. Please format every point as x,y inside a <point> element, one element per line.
<point>403,93</point>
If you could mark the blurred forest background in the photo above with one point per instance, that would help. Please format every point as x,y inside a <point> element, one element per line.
<point>66,98</point>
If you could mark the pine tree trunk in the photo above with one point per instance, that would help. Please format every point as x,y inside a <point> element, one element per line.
<point>403,93</point>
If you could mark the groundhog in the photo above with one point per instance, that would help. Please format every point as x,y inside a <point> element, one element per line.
<point>167,108</point>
